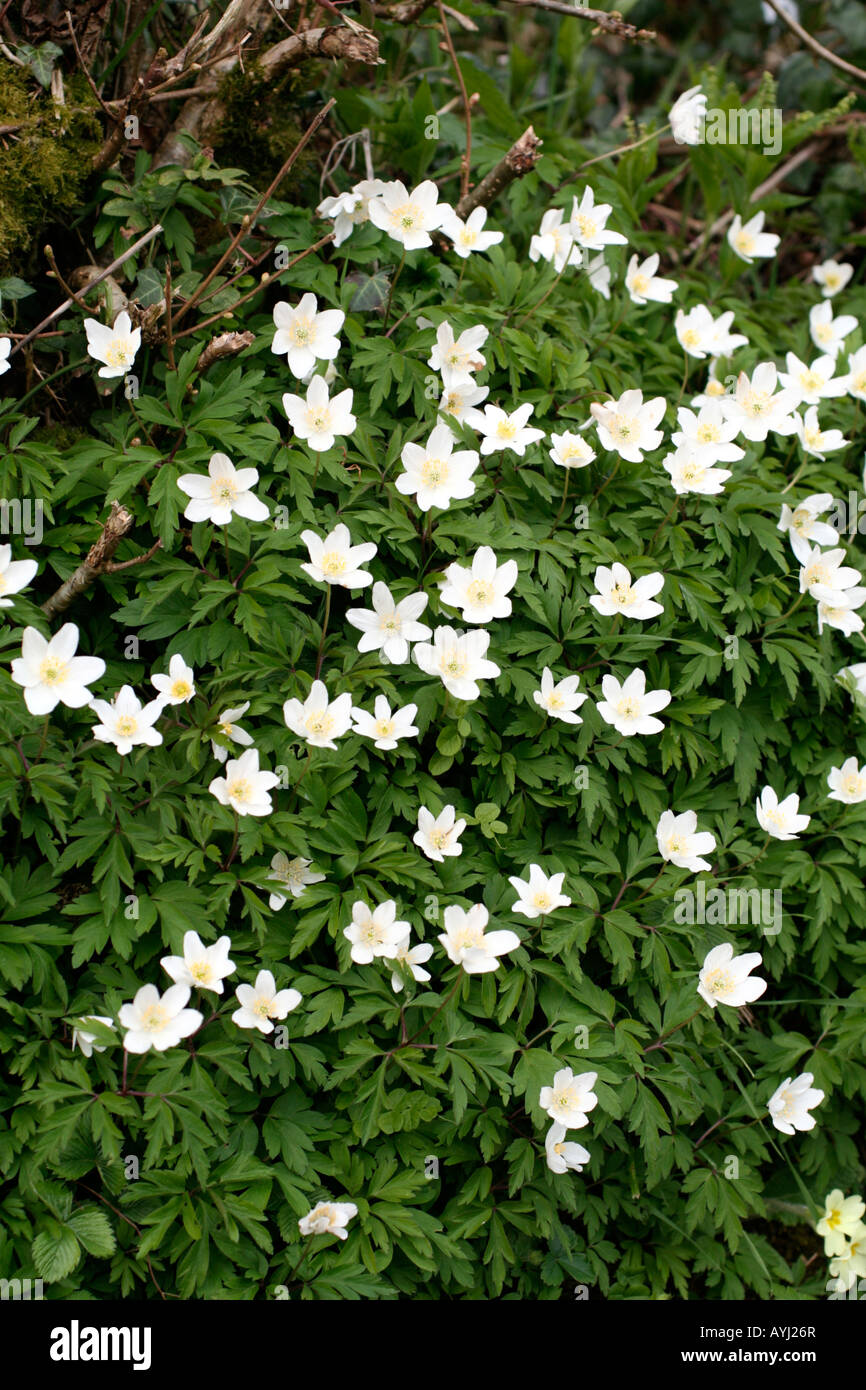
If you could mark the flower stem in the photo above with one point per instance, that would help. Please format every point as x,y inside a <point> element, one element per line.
<point>393,287</point>
<point>658,1042</point>
<point>321,651</point>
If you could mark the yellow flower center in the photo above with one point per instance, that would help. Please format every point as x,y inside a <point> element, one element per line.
<point>480,592</point>
<point>127,725</point>
<point>201,971</point>
<point>640,283</point>
<point>334,562</point>
<point>119,352</point>
<point>708,434</point>
<point>154,1019</point>
<point>53,671</point>
<point>320,723</point>
<point>435,472</point>
<point>240,790</point>
<point>181,689</point>
<point>383,728</point>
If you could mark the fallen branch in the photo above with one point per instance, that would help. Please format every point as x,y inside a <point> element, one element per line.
<point>224,345</point>
<point>98,561</point>
<point>522,157</point>
<point>610,23</point>
<point>203,112</point>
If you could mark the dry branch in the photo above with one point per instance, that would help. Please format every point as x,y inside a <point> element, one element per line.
<point>98,561</point>
<point>522,157</point>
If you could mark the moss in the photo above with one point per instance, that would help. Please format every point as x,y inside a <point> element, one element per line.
<point>46,161</point>
<point>259,128</point>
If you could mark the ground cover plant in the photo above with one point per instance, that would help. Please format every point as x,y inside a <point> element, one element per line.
<point>431,667</point>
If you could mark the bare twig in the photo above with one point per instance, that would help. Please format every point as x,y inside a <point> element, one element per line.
<point>609,23</point>
<point>467,105</point>
<point>109,270</point>
<point>249,221</point>
<point>815,46</point>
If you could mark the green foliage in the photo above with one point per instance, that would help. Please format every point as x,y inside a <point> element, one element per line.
<point>185,1173</point>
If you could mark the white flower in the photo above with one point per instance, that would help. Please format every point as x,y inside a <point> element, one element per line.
<point>847,783</point>
<point>223,493</point>
<point>643,284</point>
<point>570,450</point>
<point>630,707</point>
<point>125,722</point>
<point>681,843</point>
<point>178,687</point>
<point>790,1103</point>
<point>158,1022</point>
<point>617,593</point>
<point>318,719</point>
<point>87,1041</point>
<point>391,626</point>
<point>829,333</point>
<point>200,966</point>
<point>470,236</point>
<point>461,397</point>
<point>554,242</point>
<point>836,608</point>
<point>232,731</point>
<point>569,1100</point>
<point>562,1156</point>
<point>261,1002</point>
<point>780,818</point>
<point>375,933</point>
<point>116,346</point>
<point>628,426</point>
<point>832,276</point>
<point>412,960</point>
<point>328,1219</point>
<point>856,379</point>
<point>458,358</point>
<point>502,430</point>
<point>842,1217</point>
<point>480,592</point>
<point>714,389</point>
<point>306,334</point>
<point>244,788</point>
<point>823,569</point>
<point>598,273</point>
<point>439,836</point>
<point>318,419</point>
<point>816,441</point>
<point>560,699</point>
<point>809,385</point>
<point>434,472</point>
<point>335,560</point>
<point>5,349</point>
<point>293,874</point>
<point>755,407</point>
<point>748,240</point>
<point>351,209</point>
<point>459,661</point>
<point>409,217</point>
<point>540,894</point>
<point>51,673</point>
<point>587,223</point>
<point>856,674</point>
<point>14,574</point>
<point>803,527</point>
<point>696,331</point>
<point>725,978</point>
<point>467,944</point>
<point>688,115</point>
<point>385,727</point>
<point>709,435</point>
<point>689,474</point>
